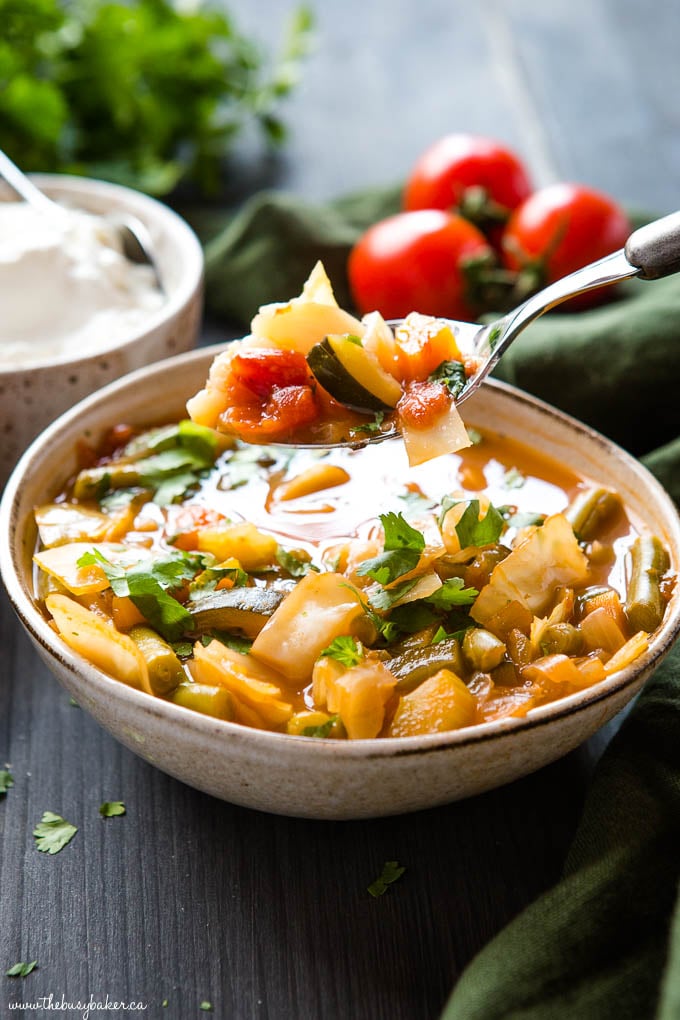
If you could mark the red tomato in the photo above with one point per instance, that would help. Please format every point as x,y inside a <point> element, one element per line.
<point>561,228</point>
<point>263,370</point>
<point>415,261</point>
<point>445,173</point>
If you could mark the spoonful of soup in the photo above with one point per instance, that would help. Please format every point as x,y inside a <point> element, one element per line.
<point>311,374</point>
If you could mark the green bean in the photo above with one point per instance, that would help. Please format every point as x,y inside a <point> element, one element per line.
<point>215,701</point>
<point>561,638</point>
<point>482,649</point>
<point>590,510</point>
<point>645,604</point>
<point>165,669</point>
<point>90,482</point>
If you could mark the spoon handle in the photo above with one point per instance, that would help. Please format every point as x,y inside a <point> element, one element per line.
<point>24,187</point>
<point>655,248</point>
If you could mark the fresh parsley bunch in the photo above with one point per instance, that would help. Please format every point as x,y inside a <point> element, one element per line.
<point>144,93</point>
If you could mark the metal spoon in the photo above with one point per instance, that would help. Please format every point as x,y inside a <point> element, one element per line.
<point>136,243</point>
<point>651,252</point>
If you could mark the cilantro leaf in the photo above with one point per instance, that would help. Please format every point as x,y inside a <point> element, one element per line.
<point>147,584</point>
<point>442,635</point>
<point>295,565</point>
<point>452,375</point>
<point>111,808</point>
<point>369,427</point>
<point>413,617</point>
<point>401,551</point>
<point>346,650</point>
<point>391,871</point>
<point>6,780</point>
<point>470,530</point>
<point>384,598</point>
<point>323,730</point>
<point>209,578</point>
<point>21,969</point>
<point>513,478</point>
<point>239,644</point>
<point>53,833</point>
<point>452,593</point>
<point>206,1006</point>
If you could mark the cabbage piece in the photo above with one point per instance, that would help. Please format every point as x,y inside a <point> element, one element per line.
<point>548,558</point>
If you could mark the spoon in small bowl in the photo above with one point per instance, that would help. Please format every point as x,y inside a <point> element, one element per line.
<point>651,252</point>
<point>136,244</point>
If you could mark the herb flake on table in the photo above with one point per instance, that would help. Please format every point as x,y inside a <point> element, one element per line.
<point>53,833</point>
<point>111,808</point>
<point>6,781</point>
<point>206,1006</point>
<point>21,969</point>
<point>391,871</point>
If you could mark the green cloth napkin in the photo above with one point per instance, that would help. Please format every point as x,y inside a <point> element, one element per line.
<point>605,942</point>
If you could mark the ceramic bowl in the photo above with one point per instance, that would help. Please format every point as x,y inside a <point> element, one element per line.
<point>32,397</point>
<point>325,778</point>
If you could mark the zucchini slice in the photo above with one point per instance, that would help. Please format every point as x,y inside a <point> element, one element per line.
<point>352,375</point>
<point>241,609</point>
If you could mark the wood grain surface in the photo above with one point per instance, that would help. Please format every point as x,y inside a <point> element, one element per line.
<point>190,900</point>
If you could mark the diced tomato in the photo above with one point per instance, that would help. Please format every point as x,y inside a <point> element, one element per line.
<point>422,403</point>
<point>261,371</point>
<point>188,522</point>
<point>287,409</point>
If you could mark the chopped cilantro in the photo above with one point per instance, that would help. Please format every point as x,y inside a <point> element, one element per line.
<point>206,1006</point>
<point>370,427</point>
<point>295,565</point>
<point>346,650</point>
<point>413,617</point>
<point>474,435</point>
<point>391,871</point>
<point>119,499</point>
<point>238,644</point>
<point>513,478</point>
<point>494,337</point>
<point>147,584</point>
<point>452,375</point>
<point>384,598</point>
<point>183,649</point>
<point>209,578</point>
<point>442,635</point>
<point>452,593</point>
<point>21,969</point>
<point>416,502</point>
<point>354,339</point>
<point>6,780</point>
<point>520,519</point>
<point>401,551</point>
<point>53,833</point>
<point>470,530</point>
<point>73,703</point>
<point>112,808</point>
<point>323,730</point>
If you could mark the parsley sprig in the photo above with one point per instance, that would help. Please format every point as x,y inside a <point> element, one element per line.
<point>401,551</point>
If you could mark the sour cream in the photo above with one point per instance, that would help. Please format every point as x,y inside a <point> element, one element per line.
<point>65,286</point>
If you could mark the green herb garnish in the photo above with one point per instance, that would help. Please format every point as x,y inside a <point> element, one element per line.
<point>6,781</point>
<point>148,583</point>
<point>452,593</point>
<point>322,731</point>
<point>21,969</point>
<point>369,427</point>
<point>470,530</point>
<point>513,478</point>
<point>296,566</point>
<point>53,833</point>
<point>452,375</point>
<point>391,871</point>
<point>112,808</point>
<point>346,650</point>
<point>401,551</point>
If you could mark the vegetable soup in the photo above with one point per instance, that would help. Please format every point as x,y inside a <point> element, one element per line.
<point>344,594</point>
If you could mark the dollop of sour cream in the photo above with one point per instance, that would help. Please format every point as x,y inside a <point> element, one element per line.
<point>65,286</point>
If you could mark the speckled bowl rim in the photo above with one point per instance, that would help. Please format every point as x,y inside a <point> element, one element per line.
<point>266,741</point>
<point>149,210</point>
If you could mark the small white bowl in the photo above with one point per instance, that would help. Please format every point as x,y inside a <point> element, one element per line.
<point>326,778</point>
<point>33,396</point>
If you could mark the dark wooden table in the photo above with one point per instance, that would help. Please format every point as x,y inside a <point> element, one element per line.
<point>190,900</point>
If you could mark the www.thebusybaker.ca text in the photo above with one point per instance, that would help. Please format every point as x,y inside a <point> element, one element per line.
<point>84,1007</point>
